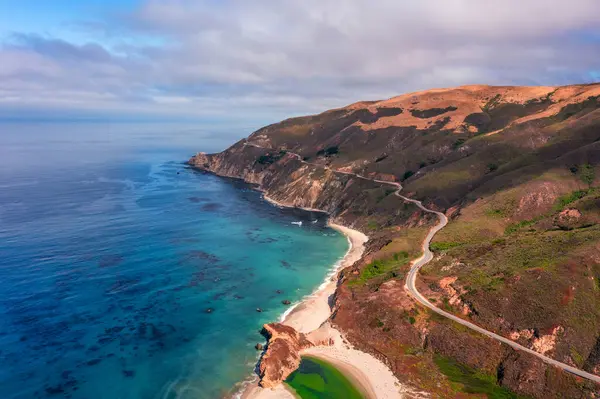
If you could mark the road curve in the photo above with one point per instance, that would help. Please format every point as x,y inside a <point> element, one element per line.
<point>412,289</point>
<point>427,256</point>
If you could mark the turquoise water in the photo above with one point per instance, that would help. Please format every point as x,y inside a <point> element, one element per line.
<point>112,251</point>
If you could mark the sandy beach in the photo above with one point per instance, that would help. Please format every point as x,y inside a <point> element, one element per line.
<point>369,374</point>
<point>311,316</point>
<point>314,310</point>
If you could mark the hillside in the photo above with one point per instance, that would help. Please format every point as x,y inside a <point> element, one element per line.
<point>515,170</point>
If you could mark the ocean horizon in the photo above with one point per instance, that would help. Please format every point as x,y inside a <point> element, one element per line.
<point>126,273</point>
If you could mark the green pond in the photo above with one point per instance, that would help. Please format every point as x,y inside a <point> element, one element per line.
<point>317,379</point>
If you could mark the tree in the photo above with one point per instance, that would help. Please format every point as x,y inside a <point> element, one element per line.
<point>587,174</point>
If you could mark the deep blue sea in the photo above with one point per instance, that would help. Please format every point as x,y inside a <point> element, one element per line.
<point>112,251</point>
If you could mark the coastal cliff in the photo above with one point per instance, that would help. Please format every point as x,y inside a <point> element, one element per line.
<point>282,355</point>
<point>514,168</point>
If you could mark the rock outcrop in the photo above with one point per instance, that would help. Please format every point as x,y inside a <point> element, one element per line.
<point>282,356</point>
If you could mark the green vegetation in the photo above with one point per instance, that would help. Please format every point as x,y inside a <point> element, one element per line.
<point>458,143</point>
<point>269,159</point>
<point>587,174</point>
<point>577,358</point>
<point>492,103</point>
<point>317,379</point>
<point>468,380</point>
<point>407,174</point>
<point>372,225</point>
<point>443,246</point>
<point>491,262</point>
<point>570,198</point>
<point>512,228</point>
<point>432,112</point>
<point>495,213</point>
<point>380,267</point>
<point>484,281</point>
<point>581,108</point>
<point>492,167</point>
<point>329,151</point>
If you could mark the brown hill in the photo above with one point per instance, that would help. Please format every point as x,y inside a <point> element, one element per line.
<point>515,168</point>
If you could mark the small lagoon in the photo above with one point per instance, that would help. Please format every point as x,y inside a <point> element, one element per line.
<point>318,379</point>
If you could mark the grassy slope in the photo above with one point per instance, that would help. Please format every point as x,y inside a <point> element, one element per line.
<point>520,265</point>
<point>518,258</point>
<point>537,271</point>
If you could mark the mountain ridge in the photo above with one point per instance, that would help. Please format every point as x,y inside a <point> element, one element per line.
<point>507,165</point>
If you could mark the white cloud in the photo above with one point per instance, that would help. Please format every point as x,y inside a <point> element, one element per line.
<point>268,56</point>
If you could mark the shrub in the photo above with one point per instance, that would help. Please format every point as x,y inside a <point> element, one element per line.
<point>329,151</point>
<point>567,199</point>
<point>458,143</point>
<point>380,267</point>
<point>519,225</point>
<point>372,225</point>
<point>587,174</point>
<point>269,159</point>
<point>443,246</point>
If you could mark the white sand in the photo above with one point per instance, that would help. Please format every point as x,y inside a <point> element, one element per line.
<point>368,373</point>
<point>315,309</point>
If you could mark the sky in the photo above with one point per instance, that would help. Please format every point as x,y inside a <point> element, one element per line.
<point>271,59</point>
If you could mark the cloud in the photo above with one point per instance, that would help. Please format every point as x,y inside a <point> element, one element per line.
<point>276,58</point>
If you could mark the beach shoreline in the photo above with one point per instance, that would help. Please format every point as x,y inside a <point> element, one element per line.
<point>310,316</point>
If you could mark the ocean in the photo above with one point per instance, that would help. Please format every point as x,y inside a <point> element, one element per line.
<point>126,274</point>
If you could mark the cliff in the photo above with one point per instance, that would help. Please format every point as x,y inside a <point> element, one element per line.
<point>282,355</point>
<point>514,168</point>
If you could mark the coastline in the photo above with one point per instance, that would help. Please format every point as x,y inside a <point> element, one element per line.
<point>311,315</point>
<point>314,310</point>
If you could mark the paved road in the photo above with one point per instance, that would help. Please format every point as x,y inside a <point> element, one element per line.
<point>427,256</point>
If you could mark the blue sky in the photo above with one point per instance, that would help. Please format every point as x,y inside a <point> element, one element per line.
<point>57,17</point>
<point>268,59</point>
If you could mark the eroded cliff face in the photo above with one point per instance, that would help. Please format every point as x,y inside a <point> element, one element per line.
<point>283,177</point>
<point>520,256</point>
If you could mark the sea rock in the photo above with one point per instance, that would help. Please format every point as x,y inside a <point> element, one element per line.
<point>286,302</point>
<point>282,356</point>
<point>259,347</point>
<point>209,310</point>
<point>259,310</point>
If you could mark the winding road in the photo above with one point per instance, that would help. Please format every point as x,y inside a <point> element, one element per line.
<point>427,256</point>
